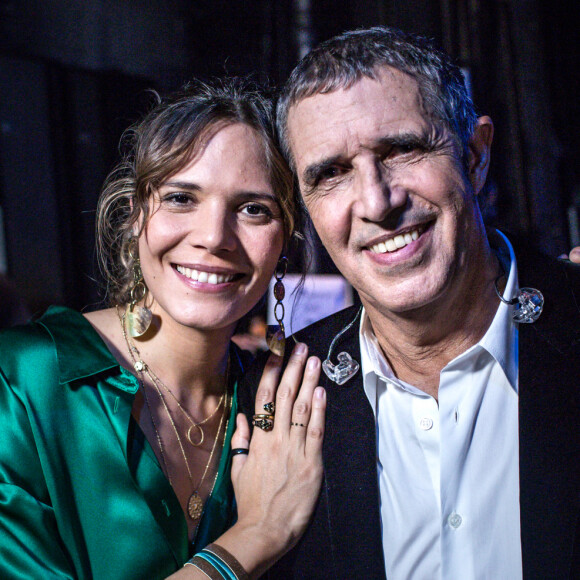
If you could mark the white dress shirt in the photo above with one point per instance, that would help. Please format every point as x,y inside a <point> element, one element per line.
<point>449,472</point>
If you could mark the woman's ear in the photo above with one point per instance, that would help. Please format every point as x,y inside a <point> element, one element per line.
<point>479,152</point>
<point>138,223</point>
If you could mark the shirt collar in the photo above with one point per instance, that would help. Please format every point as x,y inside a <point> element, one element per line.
<point>372,358</point>
<point>500,340</point>
<point>80,350</point>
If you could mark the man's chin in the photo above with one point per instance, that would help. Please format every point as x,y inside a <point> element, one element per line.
<point>411,299</point>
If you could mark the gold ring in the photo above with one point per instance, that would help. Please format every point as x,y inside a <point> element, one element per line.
<point>264,422</point>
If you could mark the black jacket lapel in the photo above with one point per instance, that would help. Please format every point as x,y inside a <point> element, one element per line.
<point>549,392</point>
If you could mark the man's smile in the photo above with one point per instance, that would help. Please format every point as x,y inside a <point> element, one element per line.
<point>397,241</point>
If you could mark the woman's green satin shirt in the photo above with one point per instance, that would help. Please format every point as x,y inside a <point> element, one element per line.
<point>81,492</point>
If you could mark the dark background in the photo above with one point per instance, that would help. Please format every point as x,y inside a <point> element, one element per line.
<point>74,74</point>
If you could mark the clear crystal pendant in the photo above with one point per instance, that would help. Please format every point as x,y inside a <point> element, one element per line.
<point>529,305</point>
<point>346,368</point>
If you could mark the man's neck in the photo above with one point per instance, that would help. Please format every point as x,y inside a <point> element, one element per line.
<point>419,344</point>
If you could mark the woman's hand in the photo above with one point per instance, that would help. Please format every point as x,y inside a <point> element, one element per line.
<point>278,483</point>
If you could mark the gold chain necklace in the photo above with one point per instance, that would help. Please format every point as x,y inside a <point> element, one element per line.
<point>193,423</point>
<point>195,503</point>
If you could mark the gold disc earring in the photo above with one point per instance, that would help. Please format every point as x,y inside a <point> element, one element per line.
<point>138,317</point>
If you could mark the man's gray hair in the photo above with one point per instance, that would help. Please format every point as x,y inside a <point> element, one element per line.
<point>340,62</point>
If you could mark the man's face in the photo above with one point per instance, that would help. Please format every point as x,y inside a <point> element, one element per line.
<point>385,188</point>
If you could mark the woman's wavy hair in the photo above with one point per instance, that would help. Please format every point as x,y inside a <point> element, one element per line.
<point>160,145</point>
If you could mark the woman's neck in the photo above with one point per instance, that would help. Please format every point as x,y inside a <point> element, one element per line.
<point>186,358</point>
<point>190,361</point>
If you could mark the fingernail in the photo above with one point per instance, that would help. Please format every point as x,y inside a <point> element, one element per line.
<point>313,363</point>
<point>300,348</point>
<point>319,393</point>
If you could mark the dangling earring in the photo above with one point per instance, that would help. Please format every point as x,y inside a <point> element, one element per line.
<point>138,317</point>
<point>275,338</point>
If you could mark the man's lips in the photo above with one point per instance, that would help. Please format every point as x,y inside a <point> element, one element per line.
<point>398,241</point>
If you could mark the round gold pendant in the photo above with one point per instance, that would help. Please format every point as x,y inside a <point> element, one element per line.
<point>201,435</point>
<point>195,506</point>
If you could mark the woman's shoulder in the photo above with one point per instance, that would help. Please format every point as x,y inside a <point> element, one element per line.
<point>60,342</point>
<point>36,333</point>
<point>24,339</point>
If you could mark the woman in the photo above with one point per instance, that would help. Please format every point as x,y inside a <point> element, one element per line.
<point>114,452</point>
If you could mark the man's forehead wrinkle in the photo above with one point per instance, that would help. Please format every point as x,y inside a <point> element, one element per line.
<point>356,118</point>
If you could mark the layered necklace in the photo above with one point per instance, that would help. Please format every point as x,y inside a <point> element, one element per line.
<point>195,503</point>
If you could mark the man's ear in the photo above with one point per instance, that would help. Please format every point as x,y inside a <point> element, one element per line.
<point>479,152</point>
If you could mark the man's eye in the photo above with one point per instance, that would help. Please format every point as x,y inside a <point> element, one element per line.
<point>407,148</point>
<point>329,173</point>
<point>402,149</point>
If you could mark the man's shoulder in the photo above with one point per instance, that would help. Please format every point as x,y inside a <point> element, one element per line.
<point>324,330</point>
<point>317,336</point>
<point>555,278</point>
<point>559,283</point>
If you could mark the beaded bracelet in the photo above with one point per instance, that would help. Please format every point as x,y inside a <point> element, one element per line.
<point>217,563</point>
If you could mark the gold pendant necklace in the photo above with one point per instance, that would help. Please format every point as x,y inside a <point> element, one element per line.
<point>195,504</point>
<point>193,424</point>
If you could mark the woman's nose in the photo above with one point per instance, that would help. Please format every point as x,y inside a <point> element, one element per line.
<point>213,230</point>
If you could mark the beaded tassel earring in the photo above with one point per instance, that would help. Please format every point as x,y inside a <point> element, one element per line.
<point>138,317</point>
<point>275,337</point>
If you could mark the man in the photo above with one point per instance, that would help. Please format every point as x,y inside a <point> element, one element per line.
<point>452,452</point>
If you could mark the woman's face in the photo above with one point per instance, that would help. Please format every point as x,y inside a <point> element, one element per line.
<point>214,234</point>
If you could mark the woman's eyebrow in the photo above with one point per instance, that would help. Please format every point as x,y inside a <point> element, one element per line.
<point>189,185</point>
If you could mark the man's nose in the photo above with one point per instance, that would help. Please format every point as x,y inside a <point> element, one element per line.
<point>378,193</point>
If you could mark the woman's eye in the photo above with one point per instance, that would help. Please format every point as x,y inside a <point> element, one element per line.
<point>178,198</point>
<point>254,209</point>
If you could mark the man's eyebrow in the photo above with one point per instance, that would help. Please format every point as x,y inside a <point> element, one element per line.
<point>423,139</point>
<point>312,172</point>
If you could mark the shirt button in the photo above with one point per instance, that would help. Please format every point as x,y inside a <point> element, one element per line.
<point>426,423</point>
<point>454,520</point>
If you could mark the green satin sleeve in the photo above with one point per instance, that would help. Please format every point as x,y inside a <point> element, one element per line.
<point>74,503</point>
<point>82,494</point>
<point>29,540</point>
